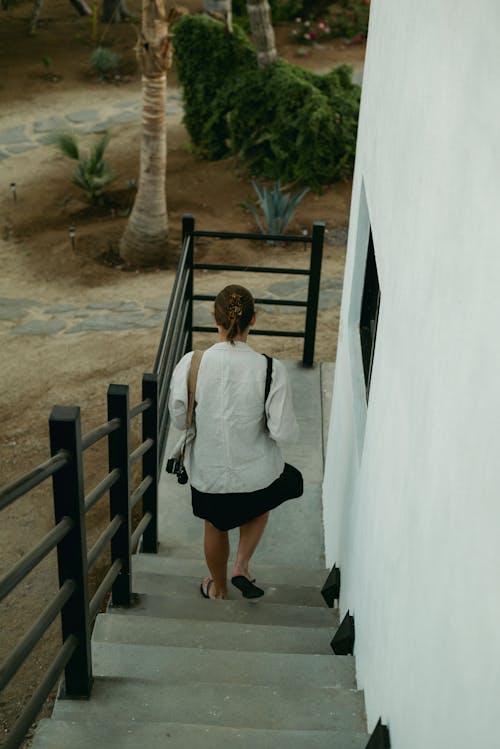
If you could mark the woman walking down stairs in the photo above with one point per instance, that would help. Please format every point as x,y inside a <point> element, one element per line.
<point>180,671</point>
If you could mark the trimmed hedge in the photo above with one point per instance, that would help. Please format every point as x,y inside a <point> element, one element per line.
<point>284,122</point>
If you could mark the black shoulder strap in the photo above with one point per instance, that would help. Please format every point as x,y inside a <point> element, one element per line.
<point>269,374</point>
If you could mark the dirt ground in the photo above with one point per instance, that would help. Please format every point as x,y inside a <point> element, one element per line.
<point>36,261</point>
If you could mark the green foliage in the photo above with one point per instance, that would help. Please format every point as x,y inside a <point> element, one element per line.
<point>91,173</point>
<point>104,61</point>
<point>277,208</point>
<point>347,18</point>
<point>209,61</point>
<point>284,122</point>
<point>68,145</point>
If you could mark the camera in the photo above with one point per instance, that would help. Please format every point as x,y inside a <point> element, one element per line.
<point>175,466</point>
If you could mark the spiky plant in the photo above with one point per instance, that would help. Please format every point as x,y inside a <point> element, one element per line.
<point>277,207</point>
<point>104,61</point>
<point>91,173</point>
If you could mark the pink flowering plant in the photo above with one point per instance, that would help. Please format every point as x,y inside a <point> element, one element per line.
<point>309,32</point>
<point>347,19</point>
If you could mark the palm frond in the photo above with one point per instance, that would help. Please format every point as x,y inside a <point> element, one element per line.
<point>97,152</point>
<point>67,144</point>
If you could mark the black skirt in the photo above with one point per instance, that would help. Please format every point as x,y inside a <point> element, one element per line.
<point>227,511</point>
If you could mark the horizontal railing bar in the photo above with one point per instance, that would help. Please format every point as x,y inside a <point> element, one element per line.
<point>265,237</point>
<point>43,690</point>
<point>13,663</point>
<point>25,483</point>
<point>141,527</point>
<point>101,489</point>
<point>253,331</point>
<point>282,302</point>
<point>141,450</point>
<point>251,269</point>
<point>99,432</point>
<point>103,541</point>
<point>104,588</point>
<point>30,560</point>
<point>140,408</point>
<point>137,494</point>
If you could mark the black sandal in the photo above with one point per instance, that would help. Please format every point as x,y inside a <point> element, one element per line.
<point>207,593</point>
<point>247,587</point>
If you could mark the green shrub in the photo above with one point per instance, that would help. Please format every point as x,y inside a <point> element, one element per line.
<point>284,122</point>
<point>104,61</point>
<point>91,172</point>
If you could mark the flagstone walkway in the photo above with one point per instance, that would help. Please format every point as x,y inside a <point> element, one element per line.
<point>32,134</point>
<point>29,317</point>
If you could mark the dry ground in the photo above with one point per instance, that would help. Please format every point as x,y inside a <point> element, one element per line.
<point>36,262</point>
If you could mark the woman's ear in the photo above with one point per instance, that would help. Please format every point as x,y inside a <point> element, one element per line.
<point>252,321</point>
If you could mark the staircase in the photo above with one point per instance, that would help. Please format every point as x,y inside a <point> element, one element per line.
<point>182,672</point>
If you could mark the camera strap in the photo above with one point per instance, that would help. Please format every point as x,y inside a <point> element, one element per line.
<point>269,375</point>
<point>192,380</point>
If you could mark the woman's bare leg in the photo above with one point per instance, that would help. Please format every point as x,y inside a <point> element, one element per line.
<point>250,535</point>
<point>216,554</point>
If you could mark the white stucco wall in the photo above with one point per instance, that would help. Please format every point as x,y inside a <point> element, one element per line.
<point>412,484</point>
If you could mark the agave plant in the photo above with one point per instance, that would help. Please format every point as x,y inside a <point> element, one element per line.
<point>277,208</point>
<point>91,173</point>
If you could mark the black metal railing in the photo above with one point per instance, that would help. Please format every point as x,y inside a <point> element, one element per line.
<point>176,338</point>
<point>65,466</point>
<point>71,601</point>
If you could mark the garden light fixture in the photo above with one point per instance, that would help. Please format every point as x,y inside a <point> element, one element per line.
<point>72,232</point>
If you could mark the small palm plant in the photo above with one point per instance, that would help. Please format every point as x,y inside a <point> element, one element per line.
<point>91,173</point>
<point>277,208</point>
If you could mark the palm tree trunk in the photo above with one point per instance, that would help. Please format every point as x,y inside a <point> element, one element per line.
<point>144,241</point>
<point>259,15</point>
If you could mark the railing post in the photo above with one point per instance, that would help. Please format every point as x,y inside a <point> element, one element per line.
<point>318,233</point>
<point>187,231</point>
<point>69,500</point>
<point>119,494</point>
<point>150,461</point>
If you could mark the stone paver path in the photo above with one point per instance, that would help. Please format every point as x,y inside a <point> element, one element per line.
<point>30,317</point>
<point>31,135</point>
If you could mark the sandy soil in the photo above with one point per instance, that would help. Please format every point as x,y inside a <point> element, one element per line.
<point>37,262</point>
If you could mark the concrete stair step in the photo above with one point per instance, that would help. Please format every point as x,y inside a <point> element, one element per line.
<point>184,586</point>
<point>233,705</point>
<point>196,567</point>
<point>216,635</point>
<point>181,665</point>
<point>182,549</point>
<point>59,734</point>
<point>242,611</point>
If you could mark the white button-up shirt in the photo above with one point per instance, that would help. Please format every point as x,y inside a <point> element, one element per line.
<point>233,450</point>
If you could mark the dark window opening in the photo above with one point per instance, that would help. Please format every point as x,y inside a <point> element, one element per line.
<point>370,305</point>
